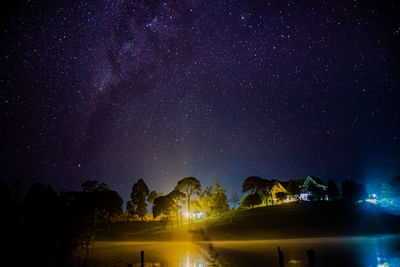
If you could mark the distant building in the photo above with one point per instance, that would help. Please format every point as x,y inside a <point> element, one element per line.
<point>306,191</point>
<point>272,197</point>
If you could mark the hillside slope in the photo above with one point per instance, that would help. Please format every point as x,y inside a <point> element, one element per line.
<point>299,220</point>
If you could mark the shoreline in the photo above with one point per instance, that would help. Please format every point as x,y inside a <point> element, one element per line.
<point>283,239</point>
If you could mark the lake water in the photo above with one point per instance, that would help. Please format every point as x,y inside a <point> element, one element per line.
<point>338,251</point>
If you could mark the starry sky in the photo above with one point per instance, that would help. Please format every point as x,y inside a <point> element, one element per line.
<point>219,90</point>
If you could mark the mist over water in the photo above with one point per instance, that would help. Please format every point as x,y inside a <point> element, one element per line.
<point>381,250</point>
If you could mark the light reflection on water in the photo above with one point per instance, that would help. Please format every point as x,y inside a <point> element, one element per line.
<point>192,262</point>
<point>338,251</point>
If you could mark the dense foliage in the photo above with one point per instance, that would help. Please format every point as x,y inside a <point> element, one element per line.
<point>47,227</point>
<point>139,193</point>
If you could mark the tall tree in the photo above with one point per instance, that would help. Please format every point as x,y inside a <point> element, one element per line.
<point>105,203</point>
<point>332,190</point>
<point>190,186</point>
<point>208,194</point>
<point>167,205</point>
<point>111,203</point>
<point>201,204</point>
<point>352,191</point>
<point>258,185</point>
<point>219,201</point>
<point>130,209</point>
<point>294,186</point>
<point>153,195</point>
<point>234,198</point>
<point>161,205</point>
<point>139,193</point>
<point>89,186</point>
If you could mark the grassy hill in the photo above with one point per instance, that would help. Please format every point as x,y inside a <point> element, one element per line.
<point>300,220</point>
<point>294,220</point>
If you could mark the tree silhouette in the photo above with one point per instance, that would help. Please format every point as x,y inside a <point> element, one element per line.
<point>77,218</point>
<point>351,191</point>
<point>332,190</point>
<point>317,192</point>
<point>258,185</point>
<point>161,205</point>
<point>153,195</point>
<point>106,203</point>
<point>110,204</point>
<point>89,186</point>
<point>250,200</point>
<point>130,209</point>
<point>40,224</point>
<point>189,186</point>
<point>219,200</point>
<point>234,198</point>
<point>139,193</point>
<point>395,182</point>
<point>294,186</point>
<point>167,205</point>
<point>208,197</point>
<point>102,187</point>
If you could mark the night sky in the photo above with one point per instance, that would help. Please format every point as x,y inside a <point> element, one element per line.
<point>219,90</point>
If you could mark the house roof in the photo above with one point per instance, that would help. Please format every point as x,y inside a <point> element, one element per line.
<point>317,180</point>
<point>294,182</point>
<point>278,187</point>
<point>299,182</point>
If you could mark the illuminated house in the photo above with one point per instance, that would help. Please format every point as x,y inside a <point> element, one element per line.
<point>273,195</point>
<point>312,186</point>
<point>307,189</point>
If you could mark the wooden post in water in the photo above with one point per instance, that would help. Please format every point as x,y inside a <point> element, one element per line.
<point>281,262</point>
<point>142,258</point>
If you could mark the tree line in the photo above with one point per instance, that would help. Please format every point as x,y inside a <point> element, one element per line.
<point>259,189</point>
<point>179,201</point>
<point>46,227</point>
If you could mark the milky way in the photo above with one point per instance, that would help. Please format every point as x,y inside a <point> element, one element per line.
<point>219,90</point>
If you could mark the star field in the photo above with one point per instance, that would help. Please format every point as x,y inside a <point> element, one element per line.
<point>220,90</point>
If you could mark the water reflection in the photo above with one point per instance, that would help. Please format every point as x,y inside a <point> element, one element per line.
<point>193,259</point>
<point>358,251</point>
<point>388,254</point>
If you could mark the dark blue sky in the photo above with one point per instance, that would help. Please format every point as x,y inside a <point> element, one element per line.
<point>220,90</point>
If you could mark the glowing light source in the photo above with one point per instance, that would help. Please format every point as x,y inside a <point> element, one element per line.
<point>304,196</point>
<point>290,199</point>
